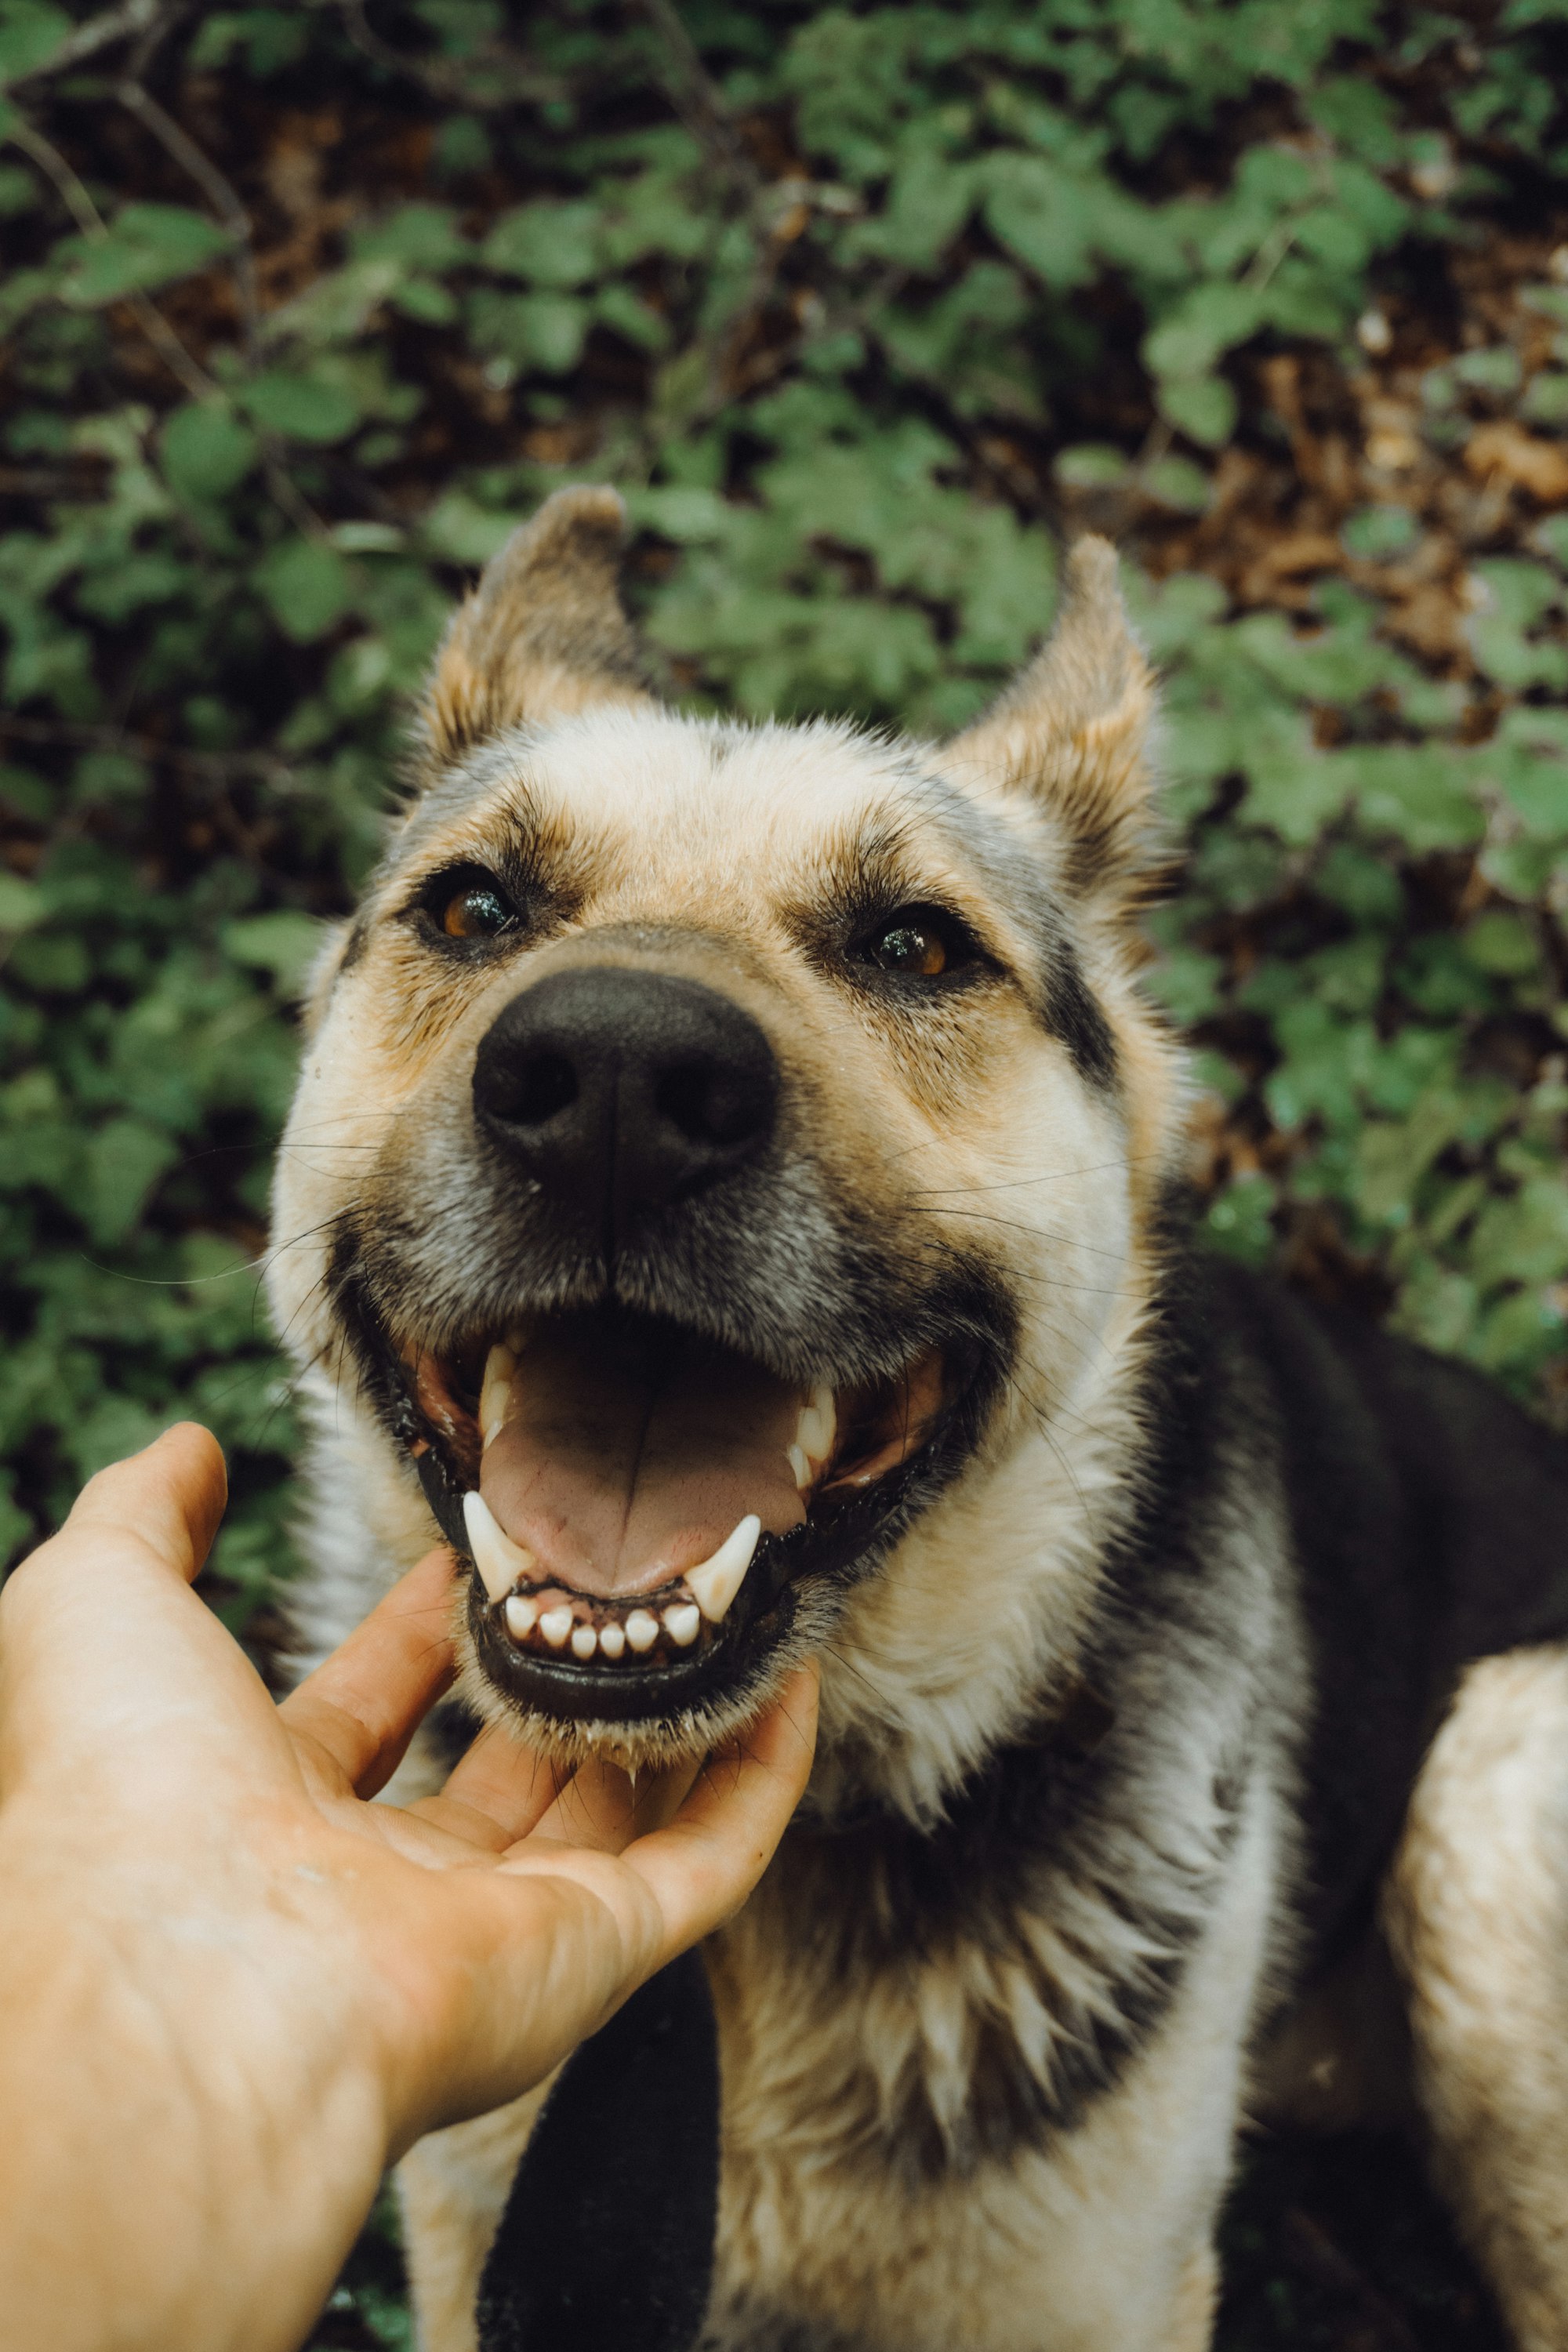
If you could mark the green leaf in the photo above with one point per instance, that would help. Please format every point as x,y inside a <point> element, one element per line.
<point>124,1159</point>
<point>301,407</point>
<point>1202,407</point>
<point>1503,944</point>
<point>282,944</point>
<point>548,244</point>
<point>415,236</point>
<point>30,33</point>
<point>1374,533</point>
<point>1044,216</point>
<point>1091,466</point>
<point>307,586</point>
<point>22,904</point>
<point>545,331</point>
<point>1209,323</point>
<point>206,450</point>
<point>145,246</point>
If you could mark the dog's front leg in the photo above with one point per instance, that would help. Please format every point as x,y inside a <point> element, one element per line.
<point>451,2188</point>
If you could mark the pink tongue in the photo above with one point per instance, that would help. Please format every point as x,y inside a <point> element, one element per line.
<point>621,1462</point>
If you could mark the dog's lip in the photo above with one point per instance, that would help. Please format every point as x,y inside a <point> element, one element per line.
<point>886,1428</point>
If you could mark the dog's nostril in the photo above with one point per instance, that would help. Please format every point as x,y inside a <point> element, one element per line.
<point>707,1105</point>
<point>547,1083</point>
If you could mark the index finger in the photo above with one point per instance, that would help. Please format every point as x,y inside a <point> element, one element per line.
<point>700,1868</point>
<point>363,1705</point>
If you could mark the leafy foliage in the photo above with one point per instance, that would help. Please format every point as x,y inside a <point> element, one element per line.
<point>866,308</point>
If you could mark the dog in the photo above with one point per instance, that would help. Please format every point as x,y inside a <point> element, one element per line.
<point>735,1197</point>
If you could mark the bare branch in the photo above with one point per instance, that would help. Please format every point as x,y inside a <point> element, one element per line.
<point>698,99</point>
<point>267,767</point>
<point>91,223</point>
<point>178,144</point>
<point>516,80</point>
<point>114,25</point>
<point>286,494</point>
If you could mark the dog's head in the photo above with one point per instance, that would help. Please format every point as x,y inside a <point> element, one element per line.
<point>722,1148</point>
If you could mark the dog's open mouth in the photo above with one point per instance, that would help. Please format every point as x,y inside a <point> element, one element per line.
<point>640,1504</point>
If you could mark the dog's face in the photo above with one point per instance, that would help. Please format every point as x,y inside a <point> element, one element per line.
<point>720,1147</point>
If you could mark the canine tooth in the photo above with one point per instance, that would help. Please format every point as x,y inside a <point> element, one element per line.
<point>818,1425</point>
<point>585,1640</point>
<point>717,1581</point>
<point>499,1366</point>
<point>522,1616</point>
<point>500,1561</point>
<point>642,1629</point>
<point>612,1639</point>
<point>801,1466</point>
<point>556,1624</point>
<point>682,1623</point>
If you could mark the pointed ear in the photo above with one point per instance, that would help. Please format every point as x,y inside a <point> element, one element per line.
<point>543,635</point>
<point>1073,730</point>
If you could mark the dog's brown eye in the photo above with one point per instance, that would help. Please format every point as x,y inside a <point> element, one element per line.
<point>476,908</point>
<point>916,943</point>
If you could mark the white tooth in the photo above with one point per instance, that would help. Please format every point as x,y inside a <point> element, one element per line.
<point>612,1639</point>
<point>718,1581</point>
<point>556,1624</point>
<point>521,1615</point>
<point>494,1389</point>
<point>585,1640</point>
<point>682,1623</point>
<point>799,1465</point>
<point>818,1425</point>
<point>642,1629</point>
<point>500,1561</point>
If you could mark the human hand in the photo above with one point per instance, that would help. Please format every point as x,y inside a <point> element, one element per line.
<point>246,1984</point>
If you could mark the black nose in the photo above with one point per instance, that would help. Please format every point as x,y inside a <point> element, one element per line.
<point>622,1091</point>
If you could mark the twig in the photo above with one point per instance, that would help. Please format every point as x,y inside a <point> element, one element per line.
<point>519,81</point>
<point>114,25</point>
<point>91,223</point>
<point>69,734</point>
<point>698,99</point>
<point>178,144</point>
<point>81,471</point>
<point>286,495</point>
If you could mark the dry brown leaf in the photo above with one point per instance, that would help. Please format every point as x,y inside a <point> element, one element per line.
<point>1521,458</point>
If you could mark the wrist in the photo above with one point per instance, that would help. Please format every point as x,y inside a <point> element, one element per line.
<point>235,2115</point>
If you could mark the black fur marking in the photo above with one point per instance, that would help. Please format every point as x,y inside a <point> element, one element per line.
<point>1430,1519</point>
<point>1073,1014</point>
<point>607,2242</point>
<point>1068,1007</point>
<point>353,946</point>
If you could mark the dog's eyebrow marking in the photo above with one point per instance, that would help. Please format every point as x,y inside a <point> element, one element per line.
<point>1067,1005</point>
<point>500,761</point>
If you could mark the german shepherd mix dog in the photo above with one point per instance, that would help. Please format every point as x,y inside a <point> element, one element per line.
<point>733,1196</point>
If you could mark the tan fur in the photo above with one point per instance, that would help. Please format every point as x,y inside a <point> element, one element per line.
<point>1478,1912</point>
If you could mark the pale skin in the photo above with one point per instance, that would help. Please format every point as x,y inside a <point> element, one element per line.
<point>233,1990</point>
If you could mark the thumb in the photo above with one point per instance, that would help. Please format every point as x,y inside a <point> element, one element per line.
<point>169,1498</point>
<point>99,1638</point>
